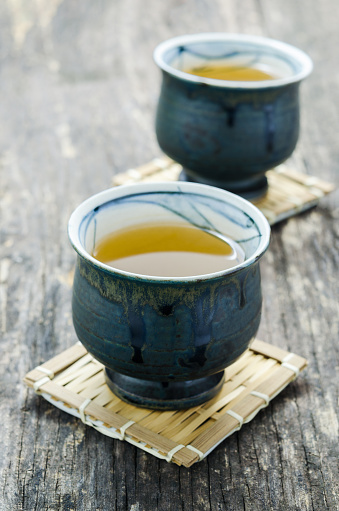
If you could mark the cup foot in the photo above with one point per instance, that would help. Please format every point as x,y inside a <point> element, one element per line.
<point>164,395</point>
<point>252,188</point>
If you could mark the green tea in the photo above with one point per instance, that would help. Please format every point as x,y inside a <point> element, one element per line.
<point>168,250</point>
<point>233,73</point>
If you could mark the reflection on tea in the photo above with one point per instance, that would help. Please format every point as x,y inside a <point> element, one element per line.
<point>168,250</point>
<point>233,73</point>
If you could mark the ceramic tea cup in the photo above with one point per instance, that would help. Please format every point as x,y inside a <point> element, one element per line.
<point>228,133</point>
<point>165,341</point>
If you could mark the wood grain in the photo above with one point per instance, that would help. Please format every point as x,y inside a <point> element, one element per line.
<point>78,93</point>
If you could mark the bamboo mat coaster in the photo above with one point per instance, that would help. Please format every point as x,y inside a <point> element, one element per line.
<point>289,192</point>
<point>74,382</point>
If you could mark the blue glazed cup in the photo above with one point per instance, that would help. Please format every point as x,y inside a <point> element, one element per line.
<point>229,133</point>
<point>165,341</point>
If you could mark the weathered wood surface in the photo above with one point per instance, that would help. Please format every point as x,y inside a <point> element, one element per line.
<point>78,92</point>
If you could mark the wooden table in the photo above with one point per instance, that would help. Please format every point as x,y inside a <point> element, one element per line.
<point>78,93</point>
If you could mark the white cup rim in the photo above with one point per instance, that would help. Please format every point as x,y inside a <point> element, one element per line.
<point>290,51</point>
<point>105,196</point>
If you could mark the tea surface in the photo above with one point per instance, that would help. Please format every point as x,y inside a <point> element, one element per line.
<point>238,73</point>
<point>168,250</point>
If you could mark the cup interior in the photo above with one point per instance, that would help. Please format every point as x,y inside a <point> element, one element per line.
<point>203,206</point>
<point>284,62</point>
